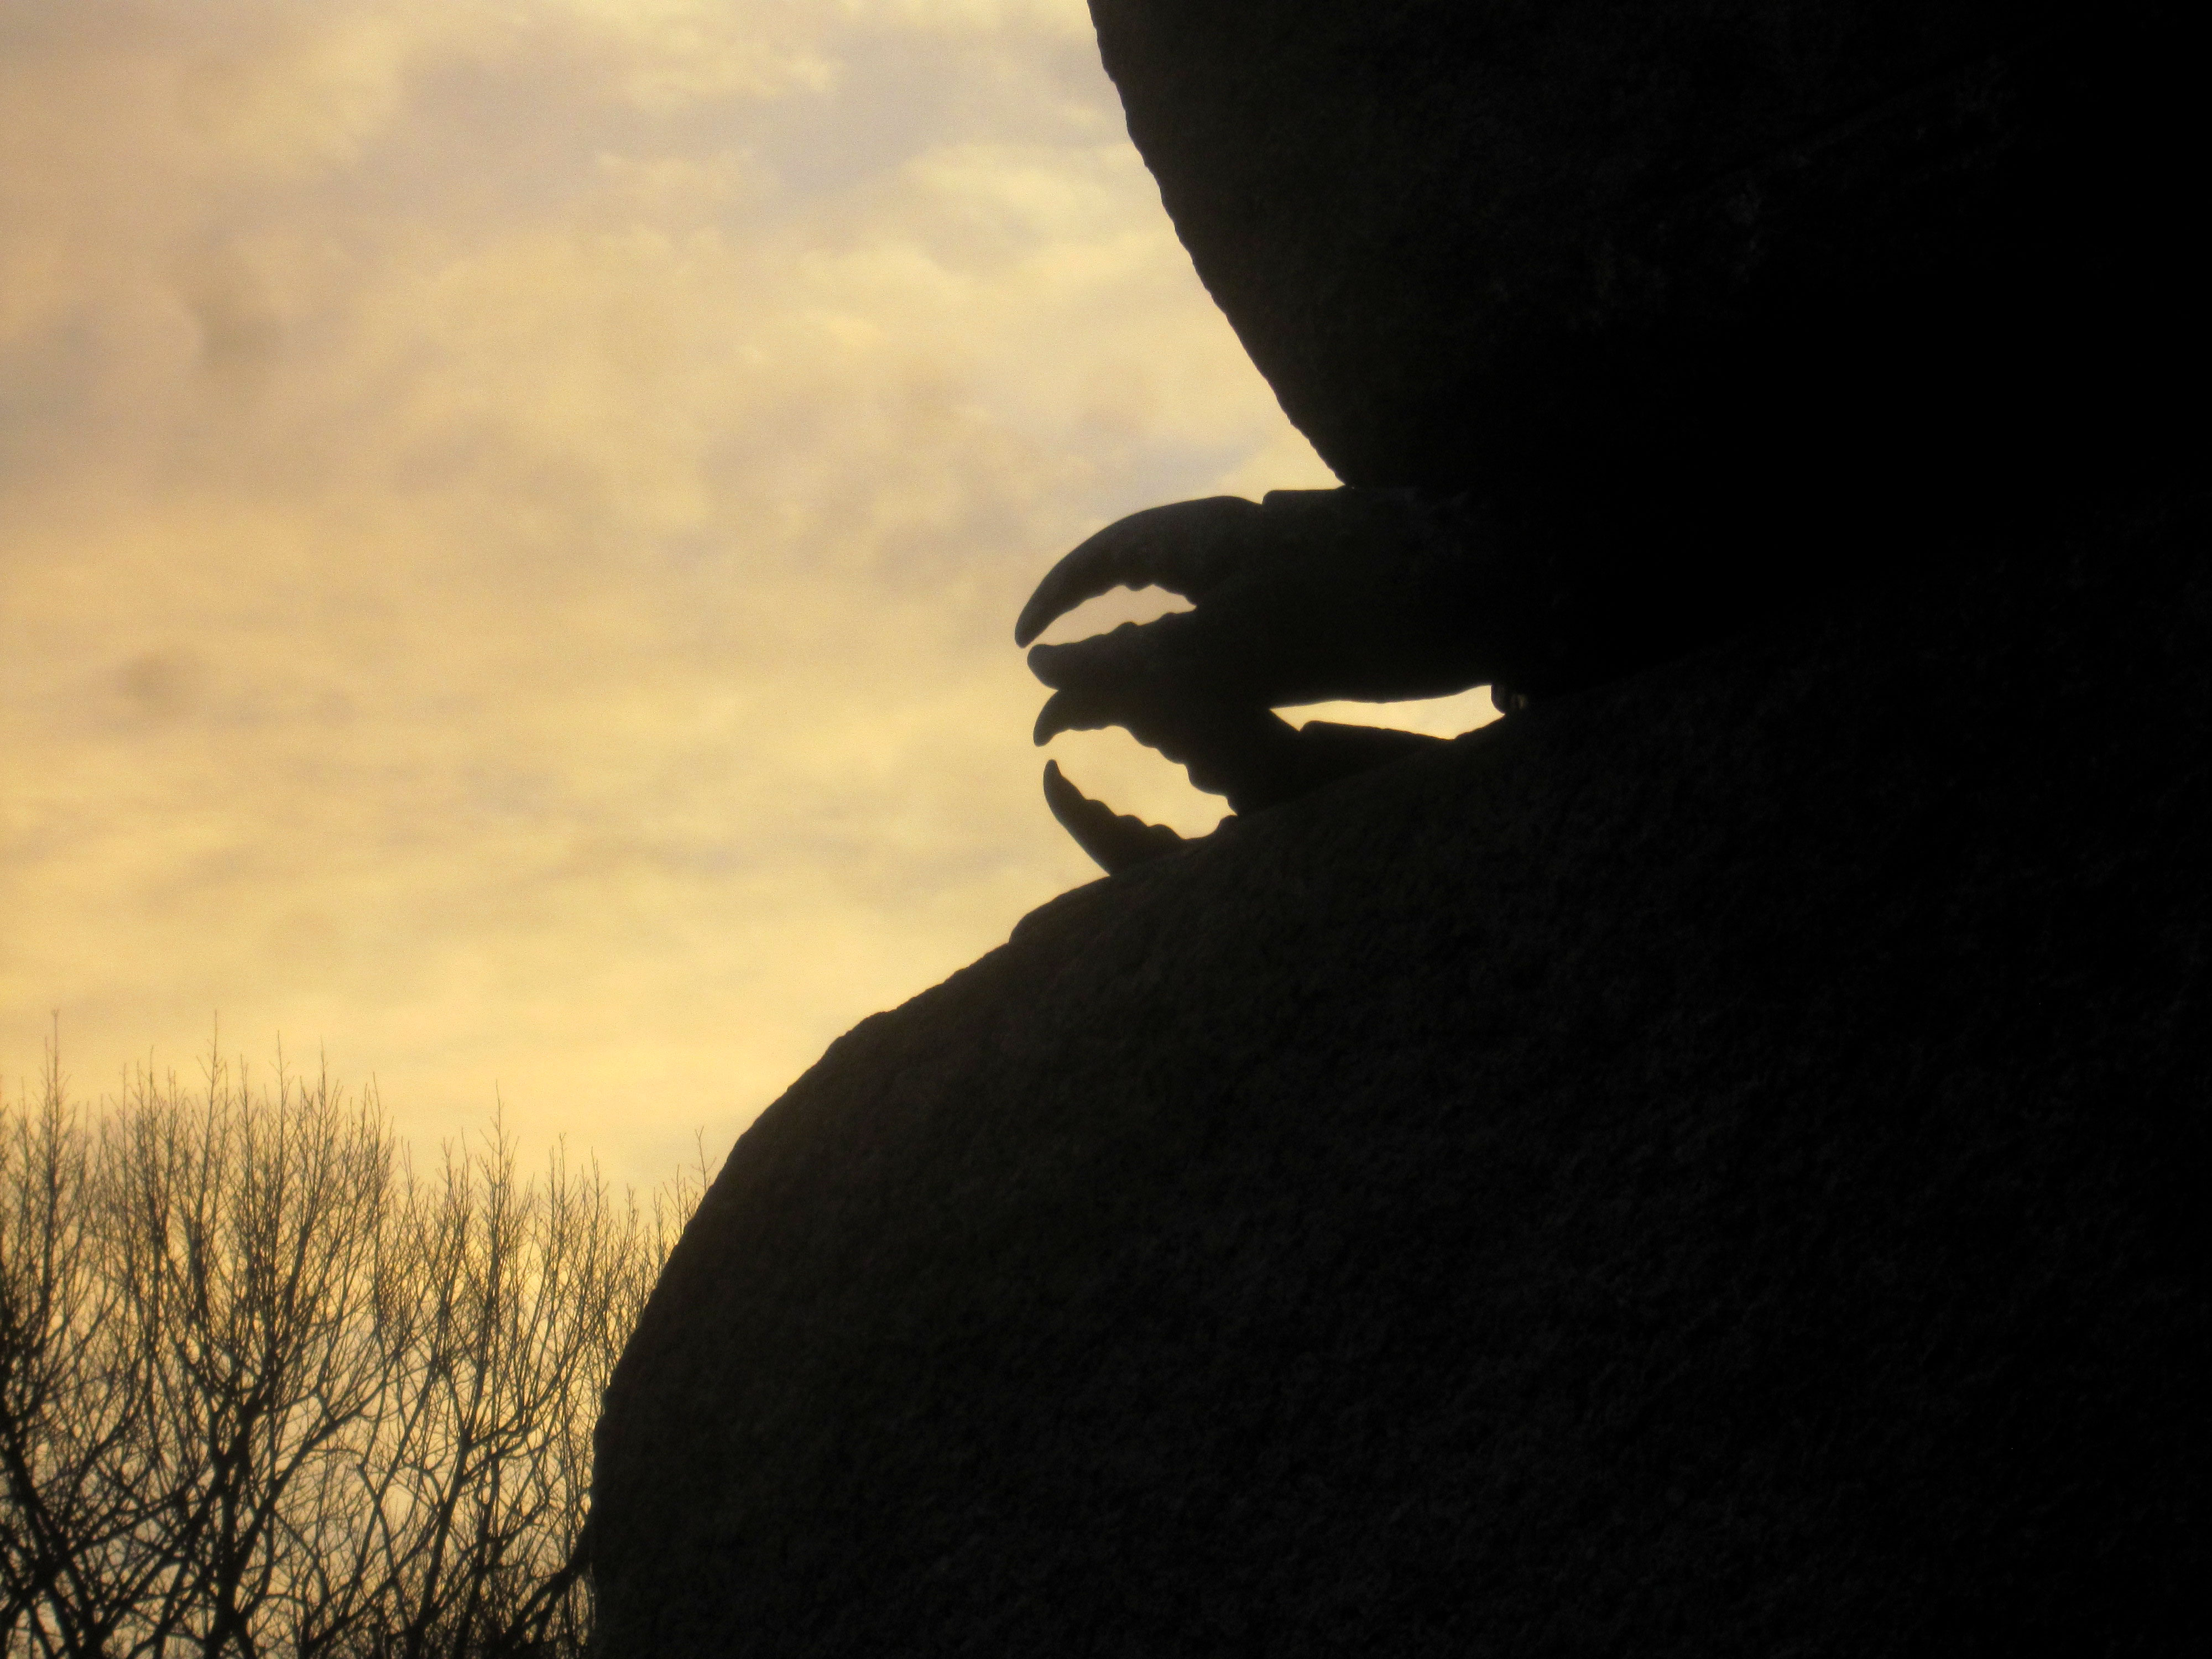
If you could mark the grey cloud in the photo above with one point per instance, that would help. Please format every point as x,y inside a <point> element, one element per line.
<point>161,685</point>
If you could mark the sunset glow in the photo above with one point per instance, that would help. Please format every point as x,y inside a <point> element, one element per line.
<point>511,517</point>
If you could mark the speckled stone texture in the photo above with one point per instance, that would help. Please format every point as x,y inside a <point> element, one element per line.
<point>1712,1165</point>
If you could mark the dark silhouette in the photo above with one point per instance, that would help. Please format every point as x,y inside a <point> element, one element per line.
<point>1627,326</point>
<point>1709,1165</point>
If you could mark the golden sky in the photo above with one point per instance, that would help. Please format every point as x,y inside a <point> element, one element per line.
<point>512,513</point>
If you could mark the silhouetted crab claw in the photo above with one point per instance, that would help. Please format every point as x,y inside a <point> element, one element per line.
<point>1188,548</point>
<point>1306,596</point>
<point>1116,841</point>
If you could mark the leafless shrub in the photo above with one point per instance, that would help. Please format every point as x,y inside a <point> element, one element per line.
<point>266,1391</point>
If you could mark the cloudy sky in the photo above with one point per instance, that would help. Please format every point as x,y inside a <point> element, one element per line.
<point>511,517</point>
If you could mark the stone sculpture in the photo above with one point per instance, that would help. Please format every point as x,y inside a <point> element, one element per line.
<point>1588,301</point>
<point>1711,1165</point>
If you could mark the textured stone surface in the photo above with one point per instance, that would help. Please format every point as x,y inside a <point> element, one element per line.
<point>1706,1166</point>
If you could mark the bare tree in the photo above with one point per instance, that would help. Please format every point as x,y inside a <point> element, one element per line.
<point>251,1237</point>
<point>480,1479</point>
<point>265,1391</point>
<point>76,1486</point>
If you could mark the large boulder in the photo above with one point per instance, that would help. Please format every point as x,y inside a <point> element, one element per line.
<point>1708,1165</point>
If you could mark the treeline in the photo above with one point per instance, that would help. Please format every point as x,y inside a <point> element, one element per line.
<point>266,1389</point>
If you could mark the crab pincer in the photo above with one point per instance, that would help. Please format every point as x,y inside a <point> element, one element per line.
<point>1306,596</point>
<point>1116,841</point>
<point>1187,547</point>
